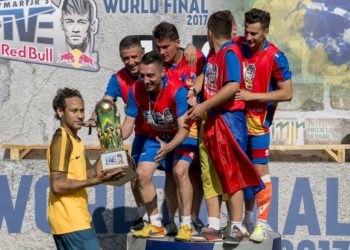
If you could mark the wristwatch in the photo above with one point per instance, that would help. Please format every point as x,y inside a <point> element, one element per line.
<point>194,91</point>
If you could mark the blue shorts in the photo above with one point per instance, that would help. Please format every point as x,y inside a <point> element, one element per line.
<point>137,146</point>
<point>149,152</point>
<point>185,151</point>
<point>258,148</point>
<point>78,240</point>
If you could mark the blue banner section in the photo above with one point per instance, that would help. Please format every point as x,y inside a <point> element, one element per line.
<point>161,245</point>
<point>302,211</point>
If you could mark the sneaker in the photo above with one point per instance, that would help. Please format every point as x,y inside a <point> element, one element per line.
<point>259,233</point>
<point>249,226</point>
<point>207,234</point>
<point>197,225</point>
<point>150,231</point>
<point>236,236</point>
<point>171,229</point>
<point>138,225</point>
<point>184,234</point>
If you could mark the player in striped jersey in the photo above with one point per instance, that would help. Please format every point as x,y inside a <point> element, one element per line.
<point>267,82</point>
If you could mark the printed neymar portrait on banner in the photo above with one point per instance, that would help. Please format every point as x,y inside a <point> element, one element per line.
<point>57,32</point>
<point>79,24</point>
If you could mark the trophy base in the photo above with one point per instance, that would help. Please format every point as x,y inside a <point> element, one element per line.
<point>129,175</point>
<point>117,160</point>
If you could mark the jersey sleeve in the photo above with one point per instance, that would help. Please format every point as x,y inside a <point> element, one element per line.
<point>280,70</point>
<point>181,101</point>
<point>131,107</point>
<point>232,72</point>
<point>113,88</point>
<point>60,150</point>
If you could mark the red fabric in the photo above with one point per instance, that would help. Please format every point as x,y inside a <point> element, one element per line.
<point>216,68</point>
<point>234,169</point>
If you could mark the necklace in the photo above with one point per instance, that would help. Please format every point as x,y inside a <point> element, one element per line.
<point>150,119</point>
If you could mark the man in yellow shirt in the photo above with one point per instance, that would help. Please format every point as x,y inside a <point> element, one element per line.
<point>70,173</point>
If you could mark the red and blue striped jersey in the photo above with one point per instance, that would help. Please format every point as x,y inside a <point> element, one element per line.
<point>161,111</point>
<point>221,68</point>
<point>262,71</point>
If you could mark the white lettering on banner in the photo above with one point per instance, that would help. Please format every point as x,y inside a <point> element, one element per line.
<point>196,10</point>
<point>301,212</point>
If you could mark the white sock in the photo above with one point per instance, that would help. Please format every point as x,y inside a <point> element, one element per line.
<point>141,211</point>
<point>239,225</point>
<point>155,220</point>
<point>214,223</point>
<point>186,220</point>
<point>248,216</point>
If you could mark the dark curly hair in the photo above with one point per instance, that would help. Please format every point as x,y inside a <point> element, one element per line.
<point>61,95</point>
<point>257,16</point>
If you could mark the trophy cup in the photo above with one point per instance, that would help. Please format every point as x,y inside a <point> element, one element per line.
<point>109,133</point>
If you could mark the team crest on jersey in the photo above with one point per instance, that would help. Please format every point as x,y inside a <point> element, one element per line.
<point>161,121</point>
<point>189,79</point>
<point>211,75</point>
<point>249,74</point>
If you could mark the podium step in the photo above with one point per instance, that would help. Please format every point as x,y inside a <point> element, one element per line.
<point>273,242</point>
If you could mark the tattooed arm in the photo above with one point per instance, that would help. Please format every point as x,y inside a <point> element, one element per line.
<point>60,184</point>
<point>60,151</point>
<point>92,170</point>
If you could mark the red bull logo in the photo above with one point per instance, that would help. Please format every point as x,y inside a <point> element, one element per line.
<point>86,60</point>
<point>66,57</point>
<point>76,58</point>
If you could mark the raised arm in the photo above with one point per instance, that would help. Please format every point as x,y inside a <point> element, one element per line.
<point>191,54</point>
<point>128,127</point>
<point>283,93</point>
<point>228,91</point>
<point>283,78</point>
<point>131,112</point>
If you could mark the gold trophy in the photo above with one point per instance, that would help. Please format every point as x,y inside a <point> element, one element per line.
<point>109,133</point>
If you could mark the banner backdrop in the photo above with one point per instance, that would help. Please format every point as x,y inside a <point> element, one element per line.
<point>310,206</point>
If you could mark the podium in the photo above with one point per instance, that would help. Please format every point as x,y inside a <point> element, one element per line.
<point>273,242</point>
